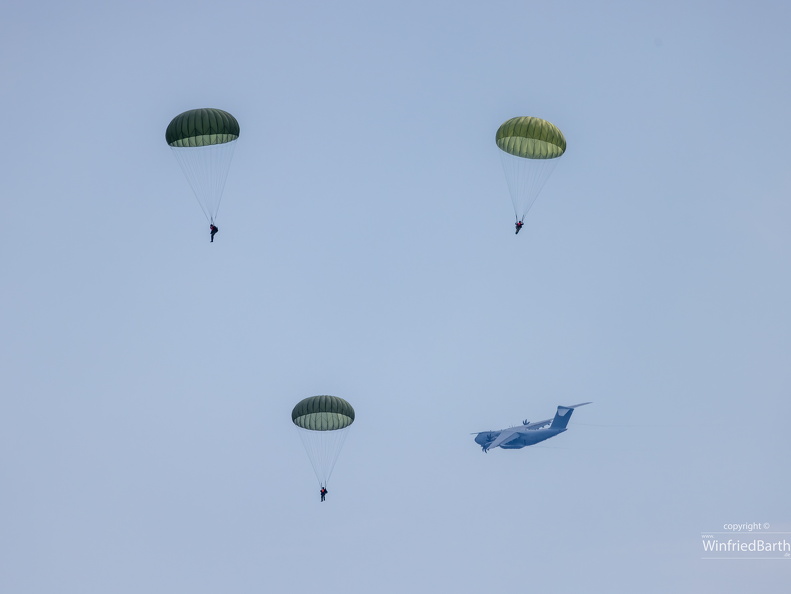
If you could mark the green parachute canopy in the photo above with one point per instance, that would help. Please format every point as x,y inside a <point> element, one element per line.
<point>202,127</point>
<point>531,138</point>
<point>203,141</point>
<point>323,423</point>
<point>529,151</point>
<point>323,413</point>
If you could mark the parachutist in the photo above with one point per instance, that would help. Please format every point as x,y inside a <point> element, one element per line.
<point>213,230</point>
<point>518,227</point>
<point>323,492</point>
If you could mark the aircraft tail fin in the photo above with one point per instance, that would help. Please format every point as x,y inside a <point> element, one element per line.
<point>563,415</point>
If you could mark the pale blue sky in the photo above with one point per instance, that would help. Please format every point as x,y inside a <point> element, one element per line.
<point>367,250</point>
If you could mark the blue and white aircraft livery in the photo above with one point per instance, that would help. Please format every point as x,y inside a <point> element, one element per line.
<point>527,433</point>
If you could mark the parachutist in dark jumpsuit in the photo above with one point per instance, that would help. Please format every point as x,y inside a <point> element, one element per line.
<point>323,492</point>
<point>213,229</point>
<point>518,227</point>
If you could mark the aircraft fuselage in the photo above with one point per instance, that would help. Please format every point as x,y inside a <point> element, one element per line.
<point>528,438</point>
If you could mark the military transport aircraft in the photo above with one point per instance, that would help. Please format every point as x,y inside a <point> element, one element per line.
<point>527,433</point>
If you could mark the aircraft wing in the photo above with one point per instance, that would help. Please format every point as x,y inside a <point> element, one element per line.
<point>505,436</point>
<point>538,424</point>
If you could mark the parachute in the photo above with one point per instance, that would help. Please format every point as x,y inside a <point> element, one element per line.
<point>530,148</point>
<point>323,423</point>
<point>203,141</point>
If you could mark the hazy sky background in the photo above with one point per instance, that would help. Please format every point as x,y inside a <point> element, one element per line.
<point>366,250</point>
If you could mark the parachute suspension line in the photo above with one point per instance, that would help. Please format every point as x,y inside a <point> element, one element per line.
<point>311,448</point>
<point>336,451</point>
<point>206,169</point>
<point>192,165</point>
<point>323,449</point>
<point>526,178</point>
<point>225,164</point>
